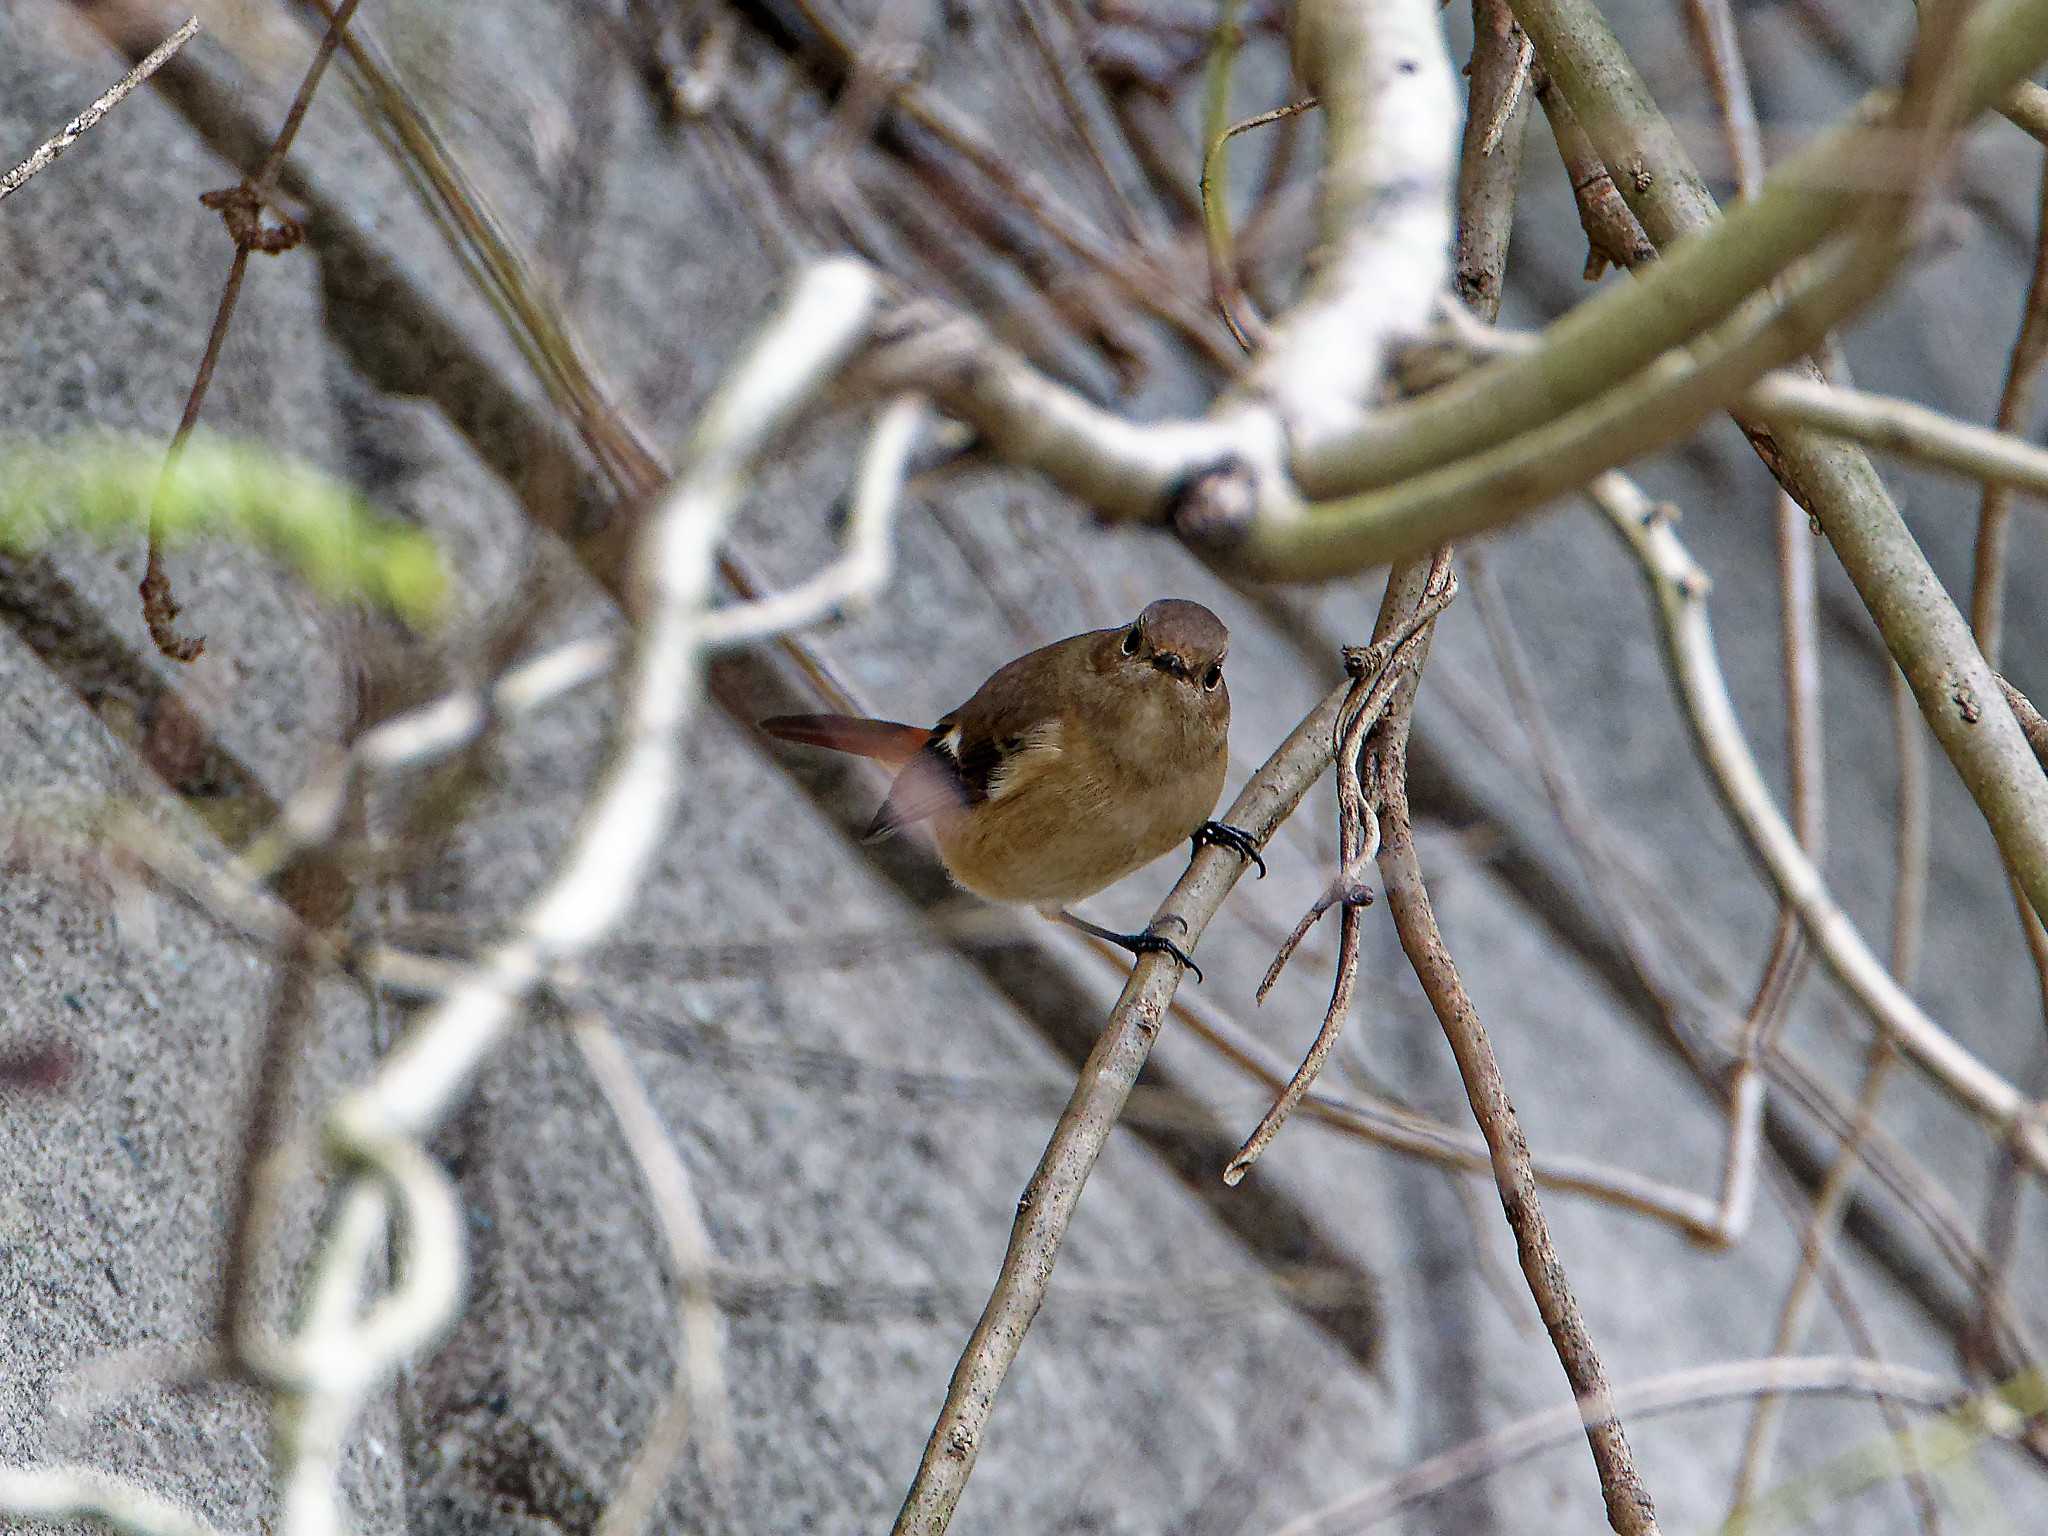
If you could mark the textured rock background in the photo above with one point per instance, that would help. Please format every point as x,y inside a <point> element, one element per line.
<point>860,1132</point>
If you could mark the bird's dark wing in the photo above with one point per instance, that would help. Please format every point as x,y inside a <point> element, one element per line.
<point>930,782</point>
<point>973,756</point>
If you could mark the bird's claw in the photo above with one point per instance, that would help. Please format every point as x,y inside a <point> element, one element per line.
<point>1159,944</point>
<point>1223,835</point>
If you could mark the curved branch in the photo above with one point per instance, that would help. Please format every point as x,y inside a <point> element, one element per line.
<point>1696,1388</point>
<point>1903,427</point>
<point>1962,65</point>
<point>1679,588</point>
<point>81,1493</point>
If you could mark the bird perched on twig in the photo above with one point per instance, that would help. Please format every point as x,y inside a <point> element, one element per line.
<point>1071,767</point>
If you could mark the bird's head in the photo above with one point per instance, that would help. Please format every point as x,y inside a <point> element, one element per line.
<point>1178,640</point>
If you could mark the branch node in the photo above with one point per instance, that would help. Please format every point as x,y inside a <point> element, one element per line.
<point>241,208</point>
<point>1213,511</point>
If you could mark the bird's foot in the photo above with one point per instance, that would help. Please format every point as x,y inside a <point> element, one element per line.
<point>1147,943</point>
<point>1223,835</point>
<point>1156,944</point>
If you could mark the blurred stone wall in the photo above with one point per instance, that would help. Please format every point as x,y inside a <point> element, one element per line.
<point>1211,1361</point>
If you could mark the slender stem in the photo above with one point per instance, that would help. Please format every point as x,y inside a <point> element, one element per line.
<point>2030,347</point>
<point>1700,1386</point>
<point>159,606</point>
<point>1215,184</point>
<point>83,124</point>
<point>2001,460</point>
<point>1245,322</point>
<point>1084,1127</point>
<point>1630,1510</point>
<point>1719,46</point>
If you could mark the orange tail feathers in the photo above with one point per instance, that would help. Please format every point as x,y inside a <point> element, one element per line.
<point>885,741</point>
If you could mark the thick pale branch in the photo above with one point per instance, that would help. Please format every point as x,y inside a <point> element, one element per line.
<point>1123,469</point>
<point>1997,46</point>
<point>1390,115</point>
<point>80,1493</point>
<point>1652,410</point>
<point>1697,283</point>
<point>670,587</point>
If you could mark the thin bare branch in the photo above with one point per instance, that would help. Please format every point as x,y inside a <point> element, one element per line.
<point>2031,720</point>
<point>241,207</point>
<point>1818,1375</point>
<point>1997,458</point>
<point>1386,663</point>
<point>1680,587</point>
<point>1247,326</point>
<point>2015,400</point>
<point>1714,36</point>
<point>1104,1084</point>
<point>699,1387</point>
<point>1397,1129</point>
<point>83,124</point>
<point>1630,1509</point>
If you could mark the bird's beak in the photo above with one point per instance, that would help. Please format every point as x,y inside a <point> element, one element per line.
<point>1166,661</point>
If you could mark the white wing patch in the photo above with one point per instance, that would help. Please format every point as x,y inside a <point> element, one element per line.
<point>1036,750</point>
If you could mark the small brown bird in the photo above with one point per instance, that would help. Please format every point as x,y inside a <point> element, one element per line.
<point>1071,767</point>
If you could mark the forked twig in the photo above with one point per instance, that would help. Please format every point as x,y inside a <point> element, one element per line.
<point>1232,302</point>
<point>1386,662</point>
<point>241,207</point>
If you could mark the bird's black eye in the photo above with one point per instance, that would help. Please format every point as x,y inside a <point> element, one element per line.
<point>1213,678</point>
<point>1130,645</point>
